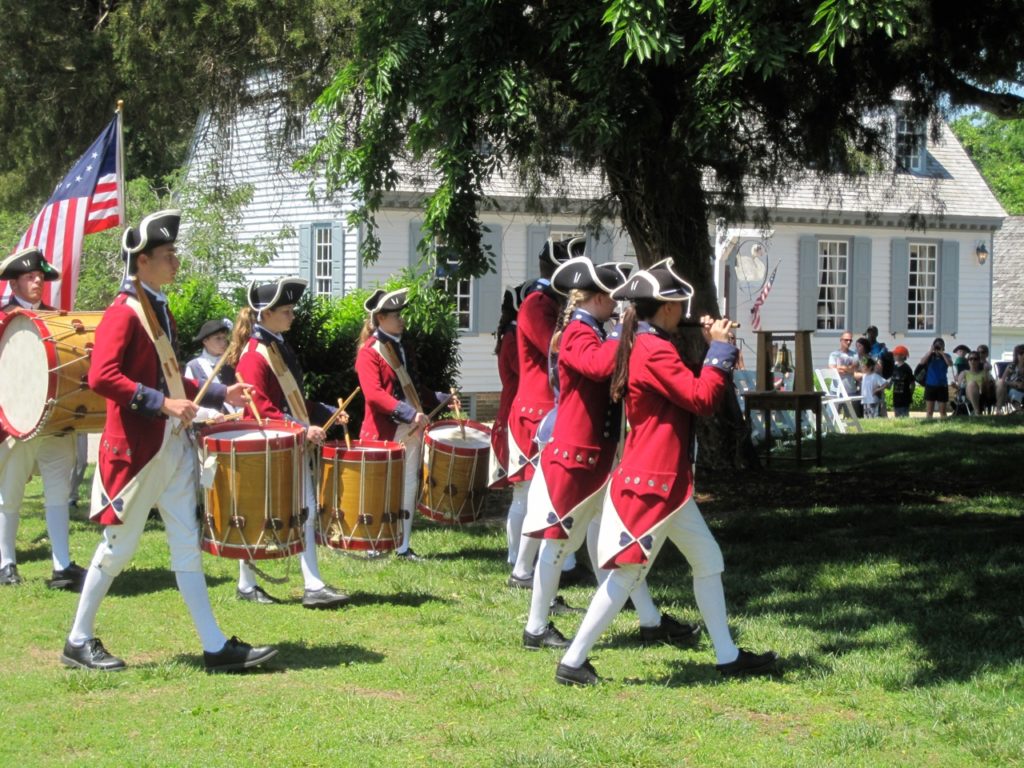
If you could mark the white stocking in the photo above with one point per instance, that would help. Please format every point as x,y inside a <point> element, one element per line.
<point>710,596</point>
<point>192,585</point>
<point>308,561</point>
<point>94,589</point>
<point>516,516</point>
<point>8,535</point>
<point>246,577</point>
<point>607,602</point>
<point>57,526</point>
<point>545,583</point>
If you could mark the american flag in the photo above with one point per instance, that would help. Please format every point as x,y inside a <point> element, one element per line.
<point>88,200</point>
<point>755,311</point>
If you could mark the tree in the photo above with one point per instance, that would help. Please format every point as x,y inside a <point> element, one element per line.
<point>997,147</point>
<point>682,108</point>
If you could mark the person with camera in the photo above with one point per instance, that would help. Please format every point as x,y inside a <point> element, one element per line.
<point>936,382</point>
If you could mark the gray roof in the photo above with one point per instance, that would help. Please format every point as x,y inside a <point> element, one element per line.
<point>1008,274</point>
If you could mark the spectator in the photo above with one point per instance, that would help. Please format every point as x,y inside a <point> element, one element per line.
<point>988,388</point>
<point>872,387</point>
<point>972,382</point>
<point>936,383</point>
<point>880,352</point>
<point>902,380</point>
<point>844,363</point>
<point>960,352</point>
<point>1010,387</point>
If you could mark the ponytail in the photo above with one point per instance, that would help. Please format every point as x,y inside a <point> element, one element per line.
<point>240,335</point>
<point>576,297</point>
<point>508,316</point>
<point>640,309</point>
<point>368,328</point>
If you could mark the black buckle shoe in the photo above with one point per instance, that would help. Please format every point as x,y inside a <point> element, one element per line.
<point>559,607</point>
<point>671,631</point>
<point>582,675</point>
<point>9,575</point>
<point>748,663</point>
<point>71,578</point>
<point>324,598</point>
<point>256,595</point>
<point>236,656</point>
<point>409,555</point>
<point>549,638</point>
<point>520,582</point>
<point>90,655</point>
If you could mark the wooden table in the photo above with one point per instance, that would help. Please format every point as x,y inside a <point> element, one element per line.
<point>766,402</point>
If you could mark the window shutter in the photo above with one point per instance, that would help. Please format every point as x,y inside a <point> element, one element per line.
<point>417,233</point>
<point>600,245</point>
<point>307,256</point>
<point>949,286</point>
<point>807,274</point>
<point>899,267</point>
<point>338,259</point>
<point>860,284</point>
<point>487,288</point>
<point>536,237</point>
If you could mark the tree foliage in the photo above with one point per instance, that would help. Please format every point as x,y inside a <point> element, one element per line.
<point>997,147</point>
<point>681,108</point>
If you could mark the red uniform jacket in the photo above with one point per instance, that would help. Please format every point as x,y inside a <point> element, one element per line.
<point>577,461</point>
<point>508,372</point>
<point>538,316</point>
<point>655,477</point>
<point>385,404</point>
<point>266,392</point>
<point>125,369</point>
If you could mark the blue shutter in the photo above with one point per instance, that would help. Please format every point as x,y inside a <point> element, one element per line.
<point>338,259</point>
<point>417,233</point>
<point>899,268</point>
<point>536,237</point>
<point>860,284</point>
<point>949,286</point>
<point>600,245</point>
<point>487,288</point>
<point>807,275</point>
<point>307,257</point>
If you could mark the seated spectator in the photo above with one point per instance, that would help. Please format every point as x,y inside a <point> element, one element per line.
<point>988,390</point>
<point>960,353</point>
<point>872,389</point>
<point>1010,387</point>
<point>972,381</point>
<point>902,381</point>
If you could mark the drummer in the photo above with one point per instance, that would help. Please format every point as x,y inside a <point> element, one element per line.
<point>258,337</point>
<point>143,459</point>
<point>568,488</point>
<point>214,335</point>
<point>27,271</point>
<point>395,411</point>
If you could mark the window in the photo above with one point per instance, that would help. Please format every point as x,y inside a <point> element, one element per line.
<point>558,235</point>
<point>833,279</point>
<point>910,145</point>
<point>323,264</point>
<point>460,289</point>
<point>922,278</point>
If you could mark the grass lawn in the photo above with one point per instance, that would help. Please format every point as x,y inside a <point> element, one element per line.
<point>890,580</point>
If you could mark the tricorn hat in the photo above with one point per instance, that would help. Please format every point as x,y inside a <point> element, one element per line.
<point>582,274</point>
<point>513,297</point>
<point>282,292</point>
<point>556,253</point>
<point>25,261</point>
<point>659,282</point>
<point>156,229</point>
<point>386,301</point>
<point>211,327</point>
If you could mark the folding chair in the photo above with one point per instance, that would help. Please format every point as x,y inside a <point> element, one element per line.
<point>836,397</point>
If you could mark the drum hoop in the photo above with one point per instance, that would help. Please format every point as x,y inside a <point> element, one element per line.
<point>451,448</point>
<point>51,363</point>
<point>208,436</point>
<point>374,450</point>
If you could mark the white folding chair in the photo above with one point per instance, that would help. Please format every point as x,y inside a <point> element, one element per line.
<point>836,397</point>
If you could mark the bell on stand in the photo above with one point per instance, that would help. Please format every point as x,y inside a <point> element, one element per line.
<point>783,364</point>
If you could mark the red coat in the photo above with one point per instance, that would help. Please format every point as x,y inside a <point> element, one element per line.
<point>577,461</point>
<point>385,404</point>
<point>508,372</point>
<point>267,395</point>
<point>655,477</point>
<point>125,369</point>
<point>538,316</point>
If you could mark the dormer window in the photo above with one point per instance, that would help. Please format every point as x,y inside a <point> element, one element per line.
<point>910,145</point>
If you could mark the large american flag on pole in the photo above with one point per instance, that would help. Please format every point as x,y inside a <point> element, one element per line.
<point>89,199</point>
<point>755,310</point>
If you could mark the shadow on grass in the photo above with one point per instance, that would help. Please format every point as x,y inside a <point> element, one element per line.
<point>295,656</point>
<point>144,581</point>
<point>407,599</point>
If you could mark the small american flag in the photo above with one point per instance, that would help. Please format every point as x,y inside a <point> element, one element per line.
<point>88,200</point>
<point>755,311</point>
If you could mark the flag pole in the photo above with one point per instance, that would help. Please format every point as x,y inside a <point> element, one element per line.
<point>123,197</point>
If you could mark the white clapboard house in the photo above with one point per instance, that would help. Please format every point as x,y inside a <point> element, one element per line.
<point>911,252</point>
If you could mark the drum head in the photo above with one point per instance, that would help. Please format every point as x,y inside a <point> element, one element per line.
<point>451,434</point>
<point>24,375</point>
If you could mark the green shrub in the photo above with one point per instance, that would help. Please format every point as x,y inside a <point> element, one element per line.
<point>192,303</point>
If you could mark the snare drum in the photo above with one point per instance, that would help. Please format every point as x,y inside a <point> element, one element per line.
<point>455,471</point>
<point>361,495</point>
<point>253,488</point>
<point>44,373</point>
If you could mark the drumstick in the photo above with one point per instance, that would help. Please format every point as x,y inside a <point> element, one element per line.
<point>249,401</point>
<point>341,409</point>
<point>344,424</point>
<point>458,417</point>
<point>206,385</point>
<point>430,417</point>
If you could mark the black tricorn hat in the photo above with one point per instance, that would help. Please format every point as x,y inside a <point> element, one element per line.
<point>513,297</point>
<point>556,253</point>
<point>659,282</point>
<point>211,327</point>
<point>386,301</point>
<point>156,229</point>
<point>27,260</point>
<point>581,273</point>
<point>282,292</point>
